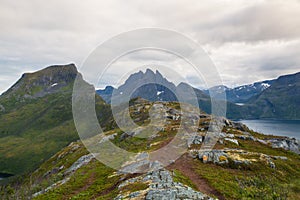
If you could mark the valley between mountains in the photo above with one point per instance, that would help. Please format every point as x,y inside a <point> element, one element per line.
<point>40,146</point>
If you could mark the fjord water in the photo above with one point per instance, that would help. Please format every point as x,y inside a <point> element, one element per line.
<point>290,128</point>
<point>4,175</point>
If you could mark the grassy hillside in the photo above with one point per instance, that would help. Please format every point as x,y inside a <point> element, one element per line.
<point>250,169</point>
<point>36,119</point>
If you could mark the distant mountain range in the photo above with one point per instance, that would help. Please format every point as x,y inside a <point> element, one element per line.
<point>242,93</point>
<point>157,88</point>
<point>266,99</point>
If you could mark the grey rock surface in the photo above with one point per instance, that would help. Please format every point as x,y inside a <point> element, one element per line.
<point>161,186</point>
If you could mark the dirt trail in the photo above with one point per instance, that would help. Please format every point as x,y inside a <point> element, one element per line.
<point>185,166</point>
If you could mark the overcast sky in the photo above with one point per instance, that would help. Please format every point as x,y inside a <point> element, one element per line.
<point>247,40</point>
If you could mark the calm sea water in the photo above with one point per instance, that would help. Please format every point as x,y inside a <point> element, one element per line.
<point>289,128</point>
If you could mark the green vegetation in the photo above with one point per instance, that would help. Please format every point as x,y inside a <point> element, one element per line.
<point>32,133</point>
<point>93,181</point>
<point>179,177</point>
<point>133,187</point>
<point>33,128</point>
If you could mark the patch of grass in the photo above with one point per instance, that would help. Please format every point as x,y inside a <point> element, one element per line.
<point>92,181</point>
<point>133,187</point>
<point>179,177</point>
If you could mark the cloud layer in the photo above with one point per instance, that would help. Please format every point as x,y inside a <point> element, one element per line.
<point>248,40</point>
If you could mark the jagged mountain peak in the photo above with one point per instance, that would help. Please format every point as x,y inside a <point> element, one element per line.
<point>149,76</point>
<point>152,86</point>
<point>149,73</point>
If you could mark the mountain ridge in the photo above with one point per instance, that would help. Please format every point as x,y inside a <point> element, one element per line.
<point>243,93</point>
<point>241,103</point>
<point>280,100</point>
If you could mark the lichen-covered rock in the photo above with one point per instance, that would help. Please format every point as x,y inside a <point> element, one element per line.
<point>213,156</point>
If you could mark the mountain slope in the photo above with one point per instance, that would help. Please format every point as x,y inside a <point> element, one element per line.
<point>106,93</point>
<point>36,118</point>
<point>242,94</point>
<point>281,100</point>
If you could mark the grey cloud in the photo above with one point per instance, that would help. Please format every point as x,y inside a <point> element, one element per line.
<point>239,35</point>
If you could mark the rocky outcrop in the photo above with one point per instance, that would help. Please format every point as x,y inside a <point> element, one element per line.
<point>160,186</point>
<point>214,156</point>
<point>194,138</point>
<point>236,156</point>
<point>290,144</point>
<point>232,140</point>
<point>67,174</point>
<point>79,163</point>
